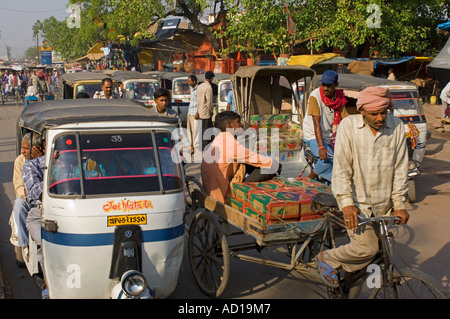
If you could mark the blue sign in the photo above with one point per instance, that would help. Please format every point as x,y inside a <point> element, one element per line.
<point>46,57</point>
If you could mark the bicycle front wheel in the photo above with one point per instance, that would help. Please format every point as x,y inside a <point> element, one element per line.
<point>411,284</point>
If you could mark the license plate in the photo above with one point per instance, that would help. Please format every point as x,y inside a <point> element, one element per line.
<point>119,220</point>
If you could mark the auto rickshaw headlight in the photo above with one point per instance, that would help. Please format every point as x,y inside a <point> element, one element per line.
<point>133,283</point>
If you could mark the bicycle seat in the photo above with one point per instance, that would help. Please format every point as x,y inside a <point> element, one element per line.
<point>325,199</point>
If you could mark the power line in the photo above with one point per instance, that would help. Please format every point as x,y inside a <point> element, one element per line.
<point>32,11</point>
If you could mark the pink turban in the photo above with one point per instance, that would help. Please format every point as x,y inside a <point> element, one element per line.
<point>40,74</point>
<point>374,98</point>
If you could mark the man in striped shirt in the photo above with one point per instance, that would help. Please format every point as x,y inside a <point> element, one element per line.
<point>370,177</point>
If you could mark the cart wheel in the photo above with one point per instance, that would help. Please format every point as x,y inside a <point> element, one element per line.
<point>208,254</point>
<point>411,191</point>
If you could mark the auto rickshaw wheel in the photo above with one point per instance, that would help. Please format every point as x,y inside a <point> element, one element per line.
<point>209,254</point>
<point>411,191</point>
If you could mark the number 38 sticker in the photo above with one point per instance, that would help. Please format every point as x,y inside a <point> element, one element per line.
<point>116,138</point>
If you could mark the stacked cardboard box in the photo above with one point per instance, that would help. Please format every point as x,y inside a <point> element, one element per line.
<point>278,200</point>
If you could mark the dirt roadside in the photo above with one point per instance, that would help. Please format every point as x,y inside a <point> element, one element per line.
<point>426,241</point>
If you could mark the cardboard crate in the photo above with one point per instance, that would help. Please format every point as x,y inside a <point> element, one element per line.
<point>299,196</point>
<point>236,204</point>
<point>273,208</point>
<point>249,211</point>
<point>240,190</point>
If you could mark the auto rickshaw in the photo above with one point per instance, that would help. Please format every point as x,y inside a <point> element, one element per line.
<point>89,82</point>
<point>267,98</point>
<point>112,202</point>
<point>137,86</point>
<point>407,107</point>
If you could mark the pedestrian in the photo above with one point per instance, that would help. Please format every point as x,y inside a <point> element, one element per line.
<point>204,106</point>
<point>445,99</point>
<point>230,101</point>
<point>107,91</point>
<point>193,125</point>
<point>42,86</point>
<point>326,108</point>
<point>391,75</point>
<point>30,149</point>
<point>162,101</point>
<point>370,177</point>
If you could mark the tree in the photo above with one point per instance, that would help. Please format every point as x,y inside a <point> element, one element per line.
<point>257,26</point>
<point>391,27</point>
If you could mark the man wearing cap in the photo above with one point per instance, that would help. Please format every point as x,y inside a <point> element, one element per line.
<point>370,178</point>
<point>326,108</point>
<point>204,105</point>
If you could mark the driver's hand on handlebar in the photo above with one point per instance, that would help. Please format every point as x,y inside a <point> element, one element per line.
<point>323,153</point>
<point>403,214</point>
<point>350,217</point>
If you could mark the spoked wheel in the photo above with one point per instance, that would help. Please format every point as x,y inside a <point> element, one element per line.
<point>208,254</point>
<point>411,284</point>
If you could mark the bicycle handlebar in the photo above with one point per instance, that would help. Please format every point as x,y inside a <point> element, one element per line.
<point>379,219</point>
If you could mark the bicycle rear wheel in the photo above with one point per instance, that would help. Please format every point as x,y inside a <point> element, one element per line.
<point>411,284</point>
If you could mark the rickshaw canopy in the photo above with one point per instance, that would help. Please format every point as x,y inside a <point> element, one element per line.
<point>121,76</point>
<point>258,89</point>
<point>71,78</point>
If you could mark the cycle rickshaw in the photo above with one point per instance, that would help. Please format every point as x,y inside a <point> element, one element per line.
<point>290,212</point>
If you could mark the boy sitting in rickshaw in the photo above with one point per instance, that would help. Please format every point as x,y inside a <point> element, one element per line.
<point>225,160</point>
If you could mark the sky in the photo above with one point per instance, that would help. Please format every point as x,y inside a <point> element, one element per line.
<point>17,18</point>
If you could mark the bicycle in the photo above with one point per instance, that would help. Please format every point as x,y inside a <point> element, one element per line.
<point>393,283</point>
<point>18,96</point>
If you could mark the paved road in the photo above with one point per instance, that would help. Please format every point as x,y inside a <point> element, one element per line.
<point>424,243</point>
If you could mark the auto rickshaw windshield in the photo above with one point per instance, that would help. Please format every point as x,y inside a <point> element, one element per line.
<point>144,90</point>
<point>113,163</point>
<point>407,105</point>
<point>181,87</point>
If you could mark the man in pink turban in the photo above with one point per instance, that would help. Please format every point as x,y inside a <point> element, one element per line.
<point>370,178</point>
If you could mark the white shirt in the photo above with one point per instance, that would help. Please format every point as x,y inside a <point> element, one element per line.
<point>370,171</point>
<point>326,120</point>
<point>445,93</point>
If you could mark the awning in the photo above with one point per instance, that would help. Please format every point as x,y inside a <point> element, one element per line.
<point>444,26</point>
<point>442,60</point>
<point>91,56</point>
<point>310,60</point>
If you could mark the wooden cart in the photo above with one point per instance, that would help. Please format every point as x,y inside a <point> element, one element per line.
<point>215,223</point>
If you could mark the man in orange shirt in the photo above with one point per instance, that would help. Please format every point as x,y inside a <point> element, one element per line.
<point>224,156</point>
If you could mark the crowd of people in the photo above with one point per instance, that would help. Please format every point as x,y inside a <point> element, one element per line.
<point>42,83</point>
<point>364,157</point>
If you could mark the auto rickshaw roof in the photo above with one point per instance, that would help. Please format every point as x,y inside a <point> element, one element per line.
<point>358,82</point>
<point>172,75</point>
<point>217,77</point>
<point>71,78</point>
<point>42,115</point>
<point>121,76</point>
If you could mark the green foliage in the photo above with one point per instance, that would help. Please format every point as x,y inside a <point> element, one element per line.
<point>404,26</point>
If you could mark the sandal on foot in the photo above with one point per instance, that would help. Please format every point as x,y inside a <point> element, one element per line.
<point>326,274</point>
